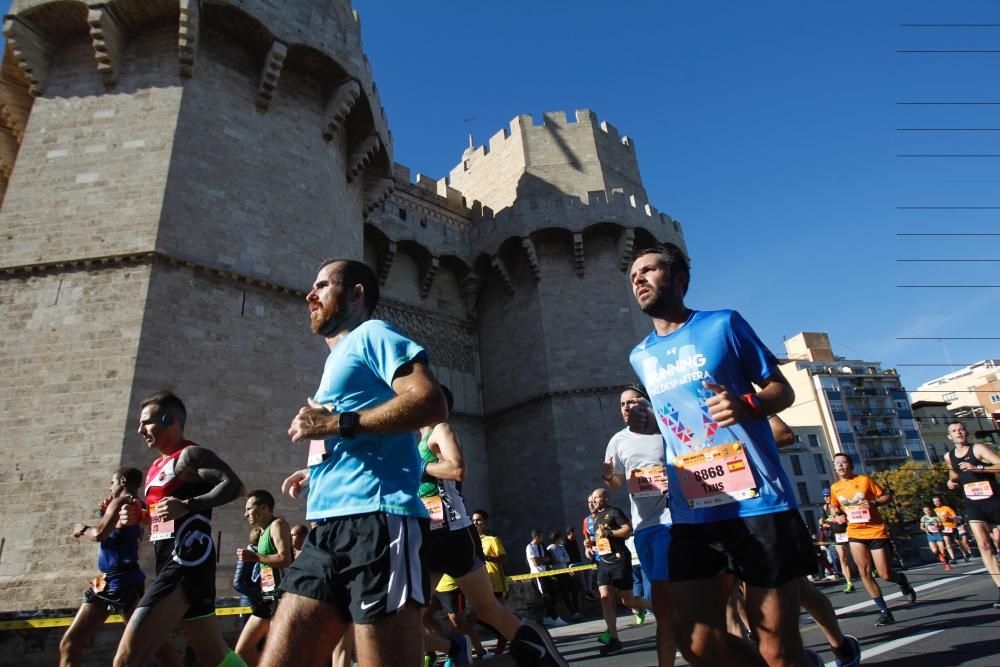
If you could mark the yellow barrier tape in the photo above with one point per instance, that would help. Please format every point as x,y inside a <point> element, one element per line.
<point>551,573</point>
<point>64,621</point>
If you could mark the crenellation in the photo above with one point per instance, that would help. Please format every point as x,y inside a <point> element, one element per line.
<point>274,61</point>
<point>108,41</point>
<point>32,51</point>
<point>188,28</point>
<point>497,140</point>
<point>610,130</point>
<point>554,119</point>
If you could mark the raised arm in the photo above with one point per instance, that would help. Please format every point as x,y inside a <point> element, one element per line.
<point>110,519</point>
<point>451,461</point>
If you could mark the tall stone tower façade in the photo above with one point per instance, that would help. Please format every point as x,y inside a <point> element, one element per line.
<point>173,170</point>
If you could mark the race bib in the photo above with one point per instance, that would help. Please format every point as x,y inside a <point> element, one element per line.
<point>978,490</point>
<point>840,538</point>
<point>933,528</point>
<point>603,546</point>
<point>961,530</point>
<point>317,452</point>
<point>716,476</point>
<point>858,515</point>
<point>947,530</point>
<point>159,529</point>
<point>267,583</point>
<point>436,509</point>
<point>647,482</point>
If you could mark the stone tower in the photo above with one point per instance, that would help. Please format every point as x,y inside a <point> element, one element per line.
<point>173,172</point>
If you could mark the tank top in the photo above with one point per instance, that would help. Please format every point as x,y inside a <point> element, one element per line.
<point>270,577</point>
<point>976,486</point>
<point>187,540</point>
<point>118,557</point>
<point>444,501</point>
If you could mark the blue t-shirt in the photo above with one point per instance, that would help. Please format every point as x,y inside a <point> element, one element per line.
<point>714,473</point>
<point>366,473</point>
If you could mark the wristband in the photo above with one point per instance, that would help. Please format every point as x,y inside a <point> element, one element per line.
<point>754,402</point>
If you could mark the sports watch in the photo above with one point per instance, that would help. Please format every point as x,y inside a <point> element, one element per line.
<point>348,424</point>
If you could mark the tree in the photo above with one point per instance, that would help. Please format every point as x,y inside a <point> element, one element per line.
<point>912,486</point>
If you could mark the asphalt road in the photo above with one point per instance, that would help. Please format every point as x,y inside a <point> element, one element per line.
<point>952,623</point>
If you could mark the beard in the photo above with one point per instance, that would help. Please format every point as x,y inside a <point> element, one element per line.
<point>328,318</point>
<point>655,302</point>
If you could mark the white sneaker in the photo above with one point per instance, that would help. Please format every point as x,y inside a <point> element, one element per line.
<point>554,622</point>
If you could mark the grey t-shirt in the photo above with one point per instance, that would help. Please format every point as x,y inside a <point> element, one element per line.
<point>639,458</point>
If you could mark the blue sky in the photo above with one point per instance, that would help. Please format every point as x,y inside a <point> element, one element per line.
<point>769,129</point>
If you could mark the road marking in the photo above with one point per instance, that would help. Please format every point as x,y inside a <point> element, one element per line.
<point>890,646</point>
<point>921,587</point>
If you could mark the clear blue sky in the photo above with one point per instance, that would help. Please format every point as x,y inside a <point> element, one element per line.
<point>769,129</point>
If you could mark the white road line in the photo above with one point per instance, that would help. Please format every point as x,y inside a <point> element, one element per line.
<point>890,646</point>
<point>921,587</point>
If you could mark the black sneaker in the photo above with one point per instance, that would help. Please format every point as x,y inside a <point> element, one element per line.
<point>885,618</point>
<point>612,647</point>
<point>532,645</point>
<point>909,593</point>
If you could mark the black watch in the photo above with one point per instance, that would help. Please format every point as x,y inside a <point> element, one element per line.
<point>348,424</point>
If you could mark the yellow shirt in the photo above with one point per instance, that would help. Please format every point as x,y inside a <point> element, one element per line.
<point>446,584</point>
<point>862,523</point>
<point>493,547</point>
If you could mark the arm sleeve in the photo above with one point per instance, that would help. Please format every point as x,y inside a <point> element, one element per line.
<point>758,362</point>
<point>386,350</point>
<point>874,487</point>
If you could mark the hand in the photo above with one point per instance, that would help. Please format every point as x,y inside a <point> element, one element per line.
<point>296,483</point>
<point>965,465</point>
<point>102,506</point>
<point>725,408</point>
<point>952,484</point>
<point>313,421</point>
<point>607,469</point>
<point>130,514</point>
<point>78,530</point>
<point>170,508</point>
<point>640,418</point>
<point>247,556</point>
<point>589,553</point>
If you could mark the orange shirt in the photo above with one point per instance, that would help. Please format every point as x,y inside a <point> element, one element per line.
<point>862,523</point>
<point>947,516</point>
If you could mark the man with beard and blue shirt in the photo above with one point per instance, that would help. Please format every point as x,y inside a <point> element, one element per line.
<point>733,507</point>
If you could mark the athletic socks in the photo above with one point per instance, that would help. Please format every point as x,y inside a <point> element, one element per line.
<point>880,603</point>
<point>232,660</point>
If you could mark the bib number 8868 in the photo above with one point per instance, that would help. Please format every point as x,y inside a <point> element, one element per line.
<point>709,473</point>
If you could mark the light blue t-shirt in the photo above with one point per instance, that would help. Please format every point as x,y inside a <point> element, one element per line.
<point>366,473</point>
<point>714,473</point>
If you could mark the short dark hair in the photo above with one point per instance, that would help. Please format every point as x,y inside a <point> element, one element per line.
<point>672,258</point>
<point>131,476</point>
<point>637,388</point>
<point>167,403</point>
<point>448,397</point>
<point>263,498</point>
<point>555,536</point>
<point>484,514</point>
<point>955,421</point>
<point>849,459</point>
<point>357,273</point>
<point>536,533</point>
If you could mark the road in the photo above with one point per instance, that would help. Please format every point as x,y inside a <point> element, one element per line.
<point>952,623</point>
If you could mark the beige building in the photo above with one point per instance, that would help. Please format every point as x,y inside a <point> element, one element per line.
<point>959,388</point>
<point>862,409</point>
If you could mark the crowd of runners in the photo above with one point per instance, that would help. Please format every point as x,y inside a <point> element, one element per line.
<point>713,518</point>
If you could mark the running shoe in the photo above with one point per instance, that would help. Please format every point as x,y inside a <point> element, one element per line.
<point>576,617</point>
<point>885,618</point>
<point>855,659</point>
<point>604,637</point>
<point>461,650</point>
<point>430,659</point>
<point>909,593</point>
<point>996,605</point>
<point>640,616</point>
<point>612,647</point>
<point>849,588</point>
<point>554,622</point>
<point>947,566</point>
<point>532,644</point>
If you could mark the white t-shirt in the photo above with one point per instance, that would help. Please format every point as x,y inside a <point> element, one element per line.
<point>639,459</point>
<point>535,551</point>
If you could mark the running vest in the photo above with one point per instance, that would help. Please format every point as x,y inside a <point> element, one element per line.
<point>186,540</point>
<point>442,497</point>
<point>976,486</point>
<point>270,577</point>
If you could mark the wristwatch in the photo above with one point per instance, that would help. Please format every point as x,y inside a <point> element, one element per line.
<point>980,467</point>
<point>348,424</point>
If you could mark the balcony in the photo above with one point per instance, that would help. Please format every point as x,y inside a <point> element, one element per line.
<point>873,413</point>
<point>878,432</point>
<point>888,453</point>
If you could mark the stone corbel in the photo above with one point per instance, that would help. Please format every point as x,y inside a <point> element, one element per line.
<point>362,155</point>
<point>386,264</point>
<point>471,285</point>
<point>578,252</point>
<point>376,192</point>
<point>626,243</point>
<point>32,52</point>
<point>8,152</point>
<point>187,36</point>
<point>338,106</point>
<point>427,280</point>
<point>108,40</point>
<point>501,269</point>
<point>273,63</point>
<point>532,253</point>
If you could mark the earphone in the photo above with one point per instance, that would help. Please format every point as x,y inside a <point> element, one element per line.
<point>166,419</point>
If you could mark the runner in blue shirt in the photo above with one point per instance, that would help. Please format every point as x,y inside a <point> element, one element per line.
<point>732,505</point>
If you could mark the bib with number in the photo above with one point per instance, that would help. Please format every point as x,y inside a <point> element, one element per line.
<point>436,509</point>
<point>603,546</point>
<point>840,538</point>
<point>267,583</point>
<point>716,475</point>
<point>978,490</point>
<point>933,528</point>
<point>858,515</point>
<point>159,529</point>
<point>948,530</point>
<point>647,482</point>
<point>317,452</point>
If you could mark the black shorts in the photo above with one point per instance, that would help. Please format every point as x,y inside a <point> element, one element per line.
<point>366,565</point>
<point>453,552</point>
<point>265,609</point>
<point>983,510</point>
<point>117,601</point>
<point>187,562</point>
<point>451,601</point>
<point>765,551</point>
<point>617,574</point>
<point>875,544</point>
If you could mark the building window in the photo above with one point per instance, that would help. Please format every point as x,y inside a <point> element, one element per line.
<point>402,214</point>
<point>803,493</point>
<point>813,440</point>
<point>994,398</point>
<point>796,464</point>
<point>950,396</point>
<point>820,464</point>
